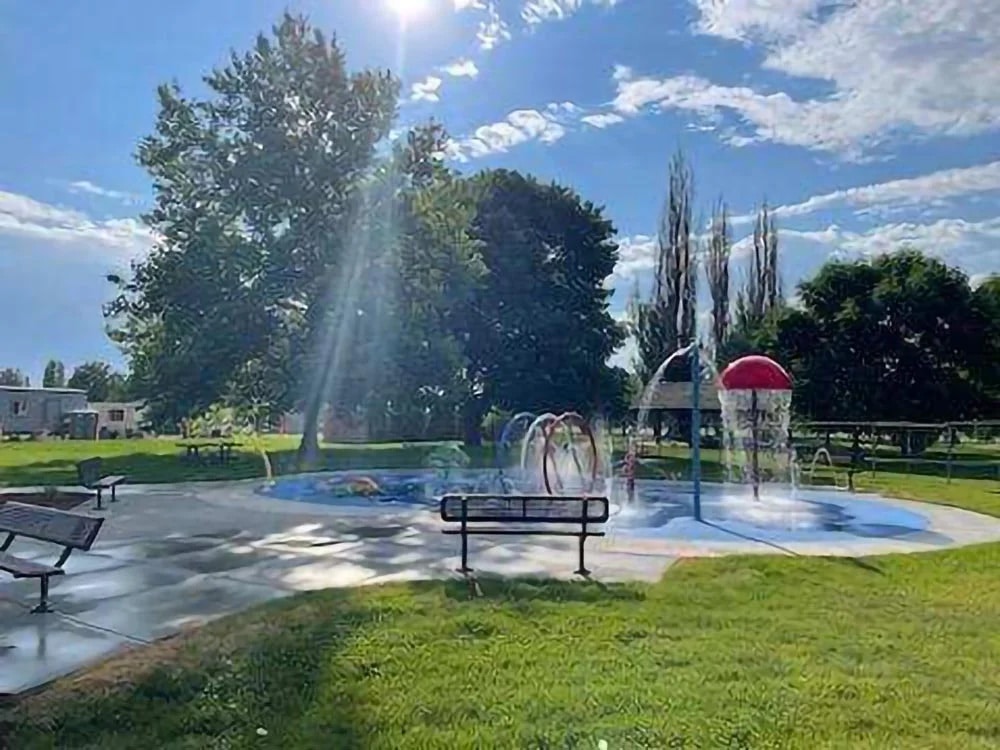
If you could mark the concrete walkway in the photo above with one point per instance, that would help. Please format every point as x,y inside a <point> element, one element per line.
<point>169,557</point>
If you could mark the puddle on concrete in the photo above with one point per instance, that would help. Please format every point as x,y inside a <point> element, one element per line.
<point>161,612</point>
<point>222,559</point>
<point>158,548</point>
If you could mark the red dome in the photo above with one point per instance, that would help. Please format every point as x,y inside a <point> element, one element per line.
<point>755,373</point>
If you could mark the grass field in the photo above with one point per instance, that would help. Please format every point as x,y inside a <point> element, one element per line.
<point>157,460</point>
<point>887,652</point>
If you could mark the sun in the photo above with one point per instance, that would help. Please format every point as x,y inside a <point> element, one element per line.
<point>407,10</point>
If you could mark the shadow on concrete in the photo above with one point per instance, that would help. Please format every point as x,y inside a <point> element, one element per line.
<point>747,537</point>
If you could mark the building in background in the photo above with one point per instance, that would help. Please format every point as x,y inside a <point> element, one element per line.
<point>35,411</point>
<point>118,419</point>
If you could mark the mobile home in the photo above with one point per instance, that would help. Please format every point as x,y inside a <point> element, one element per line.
<point>31,411</point>
<point>118,419</point>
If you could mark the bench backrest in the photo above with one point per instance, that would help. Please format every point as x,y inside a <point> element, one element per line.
<point>49,525</point>
<point>89,471</point>
<point>524,509</point>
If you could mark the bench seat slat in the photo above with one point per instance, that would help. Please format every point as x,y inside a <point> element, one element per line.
<point>109,481</point>
<point>21,568</point>
<point>489,531</point>
<point>49,525</point>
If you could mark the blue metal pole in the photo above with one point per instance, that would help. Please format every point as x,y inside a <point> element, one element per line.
<point>696,429</point>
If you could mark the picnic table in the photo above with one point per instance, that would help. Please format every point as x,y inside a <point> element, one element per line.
<point>222,448</point>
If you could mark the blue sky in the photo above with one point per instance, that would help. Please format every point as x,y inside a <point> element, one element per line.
<point>868,124</point>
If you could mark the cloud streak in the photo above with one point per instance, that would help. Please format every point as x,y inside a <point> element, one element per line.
<point>903,193</point>
<point>121,238</point>
<point>520,126</point>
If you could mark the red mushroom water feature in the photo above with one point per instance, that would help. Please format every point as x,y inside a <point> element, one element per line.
<point>759,377</point>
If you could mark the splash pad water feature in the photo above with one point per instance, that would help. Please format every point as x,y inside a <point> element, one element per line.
<point>759,499</point>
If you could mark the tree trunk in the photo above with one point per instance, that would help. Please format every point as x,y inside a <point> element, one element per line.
<point>472,421</point>
<point>309,447</point>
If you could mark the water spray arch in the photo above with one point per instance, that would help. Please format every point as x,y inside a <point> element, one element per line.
<point>569,420</point>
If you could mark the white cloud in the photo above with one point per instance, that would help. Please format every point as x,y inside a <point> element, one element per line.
<point>493,30</point>
<point>85,186</point>
<point>626,355</point>
<point>935,187</point>
<point>603,119</point>
<point>122,238</point>
<point>426,90</point>
<point>518,127</point>
<point>469,5</point>
<point>973,246</point>
<point>895,68</point>
<point>737,19</point>
<point>539,11</point>
<point>636,255</point>
<point>463,68</point>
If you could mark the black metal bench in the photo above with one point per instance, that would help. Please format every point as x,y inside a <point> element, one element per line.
<point>509,515</point>
<point>45,525</point>
<point>91,476</point>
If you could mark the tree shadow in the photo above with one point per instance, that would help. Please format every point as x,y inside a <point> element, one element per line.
<point>498,589</point>
<point>281,667</point>
<point>857,562</point>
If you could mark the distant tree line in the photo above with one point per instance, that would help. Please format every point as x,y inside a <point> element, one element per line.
<point>98,379</point>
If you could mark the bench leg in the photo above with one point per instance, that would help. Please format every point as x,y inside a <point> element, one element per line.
<point>114,499</point>
<point>582,570</point>
<point>43,604</point>
<point>99,491</point>
<point>465,552</point>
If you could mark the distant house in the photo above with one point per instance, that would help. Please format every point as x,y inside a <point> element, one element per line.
<point>118,419</point>
<point>31,411</point>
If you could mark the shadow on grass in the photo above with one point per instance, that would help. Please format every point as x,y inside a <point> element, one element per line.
<point>280,668</point>
<point>529,589</point>
<point>857,562</point>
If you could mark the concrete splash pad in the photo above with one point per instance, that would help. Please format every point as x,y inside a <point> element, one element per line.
<point>170,557</point>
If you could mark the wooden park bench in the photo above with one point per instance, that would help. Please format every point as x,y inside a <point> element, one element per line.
<point>69,530</point>
<point>92,477</point>
<point>524,515</point>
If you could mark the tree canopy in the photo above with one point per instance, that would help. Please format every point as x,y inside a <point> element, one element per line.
<point>306,260</point>
<point>899,337</point>
<point>100,382</point>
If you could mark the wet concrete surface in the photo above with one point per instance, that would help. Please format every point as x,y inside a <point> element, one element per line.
<point>170,558</point>
<point>164,562</point>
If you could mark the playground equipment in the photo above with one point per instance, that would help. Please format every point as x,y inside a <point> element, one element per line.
<point>558,454</point>
<point>756,396</point>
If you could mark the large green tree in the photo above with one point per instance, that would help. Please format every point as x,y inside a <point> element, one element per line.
<point>665,321</point>
<point>895,338</point>
<point>55,374</point>
<point>986,300</point>
<point>13,377</point>
<point>259,191</point>
<point>538,332</point>
<point>100,382</point>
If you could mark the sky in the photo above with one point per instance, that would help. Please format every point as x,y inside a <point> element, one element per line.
<point>868,125</point>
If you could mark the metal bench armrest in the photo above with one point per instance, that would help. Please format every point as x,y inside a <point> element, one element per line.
<point>7,542</point>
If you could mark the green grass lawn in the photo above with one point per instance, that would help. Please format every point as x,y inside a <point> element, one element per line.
<point>757,652</point>
<point>157,460</point>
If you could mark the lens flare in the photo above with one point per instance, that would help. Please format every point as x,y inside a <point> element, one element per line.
<point>407,10</point>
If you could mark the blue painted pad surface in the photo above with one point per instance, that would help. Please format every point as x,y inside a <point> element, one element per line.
<point>663,511</point>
